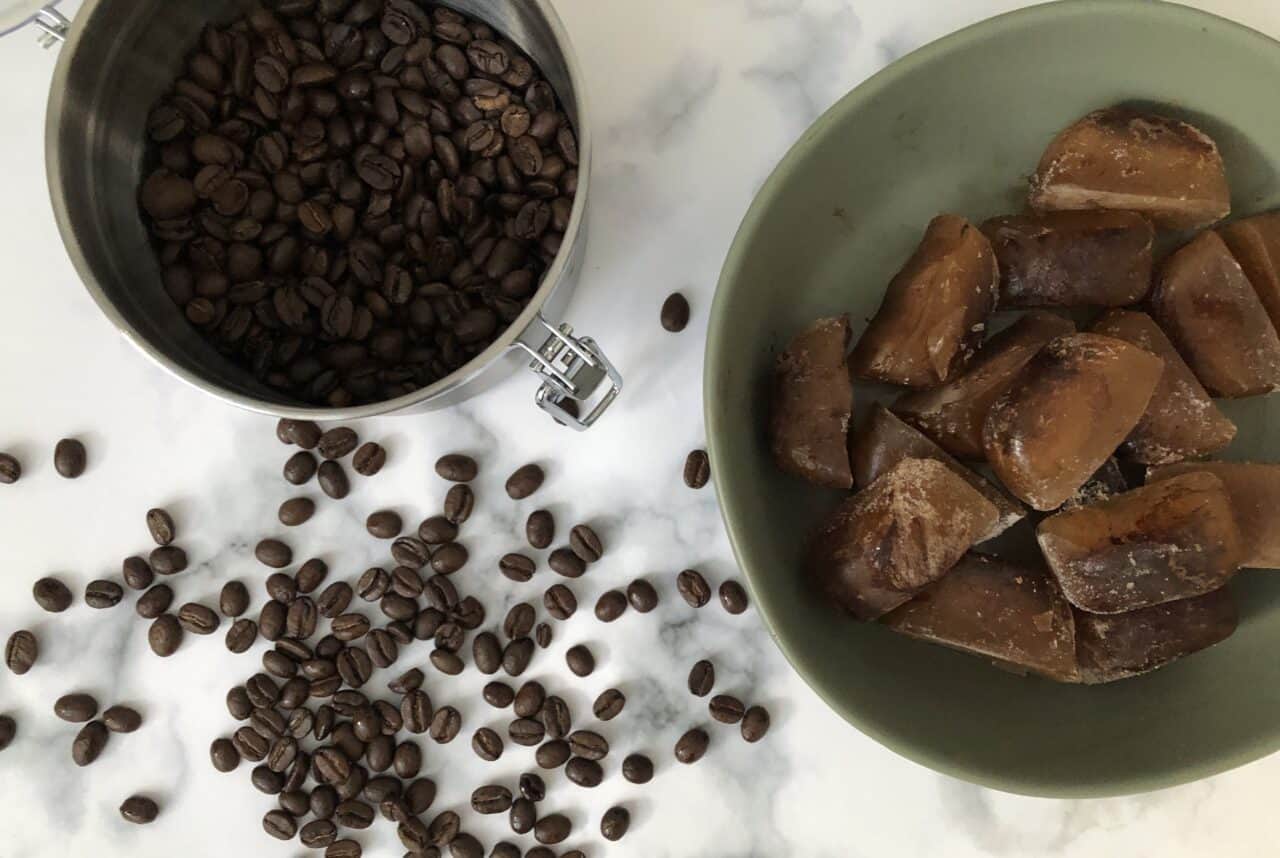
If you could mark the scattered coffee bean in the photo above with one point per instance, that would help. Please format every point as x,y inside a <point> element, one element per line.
<point>580,660</point>
<point>223,755</point>
<point>486,653</point>
<point>585,543</point>
<point>52,595</point>
<point>300,468</point>
<point>524,814</point>
<point>344,849</point>
<point>693,588</point>
<point>238,703</point>
<point>303,433</point>
<point>540,529</point>
<point>165,635</point>
<point>584,772</point>
<point>542,634</point>
<point>337,442</point>
<point>168,560</point>
<point>160,525</point>
<point>517,567</point>
<point>139,810</point>
<point>154,602</point>
<point>541,852</point>
<point>324,801</point>
<point>384,524</point>
<point>444,828</point>
<point>458,503</point>
<point>103,594</point>
<point>369,459</point>
<point>445,725</point>
<point>465,846</point>
<point>420,795</point>
<point>702,678</point>
<point>533,787</point>
<point>637,769</point>
<point>563,561</point>
<point>318,833</point>
<point>526,731</point>
<point>282,588</point>
<point>457,468</point>
<point>504,849</point>
<point>8,730</point>
<point>137,573</point>
<point>733,597</point>
<point>755,723</point>
<point>21,651</point>
<point>76,708</point>
<point>498,694</point>
<point>411,551</point>
<point>588,744</point>
<point>675,313</point>
<point>333,482</point>
<point>614,823</point>
<point>273,553</point>
<point>234,599</point>
<point>335,599</point>
<point>726,709</point>
<point>490,799</point>
<point>487,744</point>
<point>524,482</point>
<point>311,575</point>
<point>446,662</point>
<point>437,530</point>
<point>552,828</point>
<point>560,601</point>
<point>610,606</point>
<point>692,745</point>
<point>271,620</point>
<point>516,656</point>
<point>408,760</point>
<point>556,717</point>
<point>553,754</point>
<point>449,558</point>
<point>609,704</point>
<point>69,458</point>
<point>697,469</point>
<point>198,619</point>
<point>10,469</point>
<point>642,596</point>
<point>410,680</point>
<point>279,825</point>
<point>529,699</point>
<point>89,743</point>
<point>296,511</point>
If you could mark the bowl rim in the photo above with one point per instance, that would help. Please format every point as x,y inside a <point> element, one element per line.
<point>728,484</point>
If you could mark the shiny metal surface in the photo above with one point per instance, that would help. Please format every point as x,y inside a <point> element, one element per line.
<point>120,56</point>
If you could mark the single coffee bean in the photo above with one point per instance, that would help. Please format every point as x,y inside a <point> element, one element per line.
<point>524,482</point>
<point>637,769</point>
<point>333,482</point>
<point>76,708</point>
<point>584,543</point>
<point>241,635</point>
<point>234,599</point>
<point>331,765</point>
<point>334,599</point>
<point>556,717</point>
<point>416,711</point>
<point>614,823</point>
<point>89,743</point>
<point>262,690</point>
<point>563,561</point>
<point>198,619</point>
<point>542,634</point>
<point>224,756</point>
<point>580,660</point>
<point>139,810</point>
<point>380,753</point>
<point>540,529</point>
<point>311,575</point>
<point>755,723</point>
<point>154,602</point>
<point>457,468</point>
<point>458,503</point>
<point>21,651</point>
<point>445,725</point>
<point>168,560</point>
<point>344,849</point>
<point>486,653</point>
<point>533,787</point>
<point>504,849</point>
<point>693,588</point>
<point>273,553</point>
<point>137,573</point>
<point>300,468</point>
<point>10,469</point>
<point>420,795</point>
<point>318,833</point>
<point>697,469</point>
<point>51,595</point>
<point>369,459</point>
<point>524,815</point>
<point>498,694</point>
<point>296,511</point>
<point>584,772</point>
<point>487,744</point>
<point>373,584</point>
<point>702,678</point>
<point>465,846</point>
<point>355,666</point>
<point>517,567</point>
<point>410,680</point>
<point>526,731</point>
<point>284,750</point>
<point>553,754</point>
<point>692,746</point>
<point>165,635</point>
<point>675,313</point>
<point>610,606</point>
<point>449,558</point>
<point>160,525</point>
<point>437,530</point>
<point>588,744</point>
<point>238,703</point>
<point>469,613</point>
<point>450,637</point>
<point>384,524</point>
<point>519,621</point>
<point>516,656</point>
<point>282,588</point>
<point>609,704</point>
<point>529,699</point>
<point>543,852</point>
<point>642,596</point>
<point>337,442</point>
<point>353,814</point>
<point>278,664</point>
<point>301,722</point>
<point>324,801</point>
<point>493,798</point>
<point>726,709</point>
<point>279,825</point>
<point>446,662</point>
<point>560,602</point>
<point>295,692</point>
<point>412,552</point>
<point>69,458</point>
<point>733,597</point>
<point>553,828</point>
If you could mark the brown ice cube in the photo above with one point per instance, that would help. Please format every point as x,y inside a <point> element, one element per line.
<point>896,537</point>
<point>990,608</point>
<point>882,441</point>
<point>1254,490</point>
<point>1066,413</point>
<point>1072,258</point>
<point>1117,646</point>
<point>1255,243</point>
<point>1123,159</point>
<point>1107,482</point>
<point>1182,421</point>
<point>1212,314</point>
<point>935,310</point>
<point>953,414</point>
<point>813,405</point>
<point>1171,540</point>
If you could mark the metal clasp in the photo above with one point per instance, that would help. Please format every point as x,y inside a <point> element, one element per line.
<point>53,27</point>
<point>572,369</point>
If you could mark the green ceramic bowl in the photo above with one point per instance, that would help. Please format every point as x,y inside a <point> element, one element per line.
<point>958,126</point>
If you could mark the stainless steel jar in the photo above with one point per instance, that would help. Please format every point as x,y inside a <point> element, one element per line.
<point>119,56</point>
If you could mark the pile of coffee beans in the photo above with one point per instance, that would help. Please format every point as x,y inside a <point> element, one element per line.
<point>353,198</point>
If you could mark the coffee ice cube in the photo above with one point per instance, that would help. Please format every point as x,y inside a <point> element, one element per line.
<point>935,310</point>
<point>1066,413</point>
<point>1072,258</point>
<point>1118,646</point>
<point>953,414</point>
<point>1171,540</point>
<point>1254,490</point>
<point>1015,615</point>
<point>813,405</point>
<point>1123,159</point>
<point>882,441</point>
<point>897,536</point>
<point>1255,243</point>
<point>1182,421</point>
<point>1212,314</point>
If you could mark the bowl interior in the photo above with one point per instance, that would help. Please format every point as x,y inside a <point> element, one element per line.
<point>957,127</point>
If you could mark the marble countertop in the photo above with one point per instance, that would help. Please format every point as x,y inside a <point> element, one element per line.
<point>695,102</point>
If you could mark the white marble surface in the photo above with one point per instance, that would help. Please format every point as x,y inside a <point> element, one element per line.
<point>695,102</point>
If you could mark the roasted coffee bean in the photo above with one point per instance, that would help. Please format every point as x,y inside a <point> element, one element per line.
<point>282,754</point>
<point>337,442</point>
<point>331,765</point>
<point>301,723</point>
<point>238,703</point>
<point>523,815</point>
<point>449,558</point>
<point>381,789</point>
<point>642,596</point>
<point>304,433</point>
<point>300,468</point>
<point>702,678</point>
<point>295,692</point>
<point>103,594</point>
<point>10,469</point>
<point>334,599</point>
<point>160,525</point>
<point>154,602</point>
<point>580,660</point>
<point>168,560</point>
<point>560,602</point>
<point>588,744</point>
<point>443,830</point>
<point>563,561</point>
<point>614,823</point>
<point>296,511</point>
<point>525,481</point>
<point>493,798</point>
<point>52,595</point>
<point>544,852</point>
<point>410,680</point>
<point>415,709</point>
<point>273,553</point>
<point>693,588</point>
<point>540,529</point>
<point>465,846</point>
<point>224,755</point>
<point>252,745</point>
<point>529,699</point>
<point>137,573</point>
<point>324,801</point>
<point>469,613</point>
<point>89,743</point>
<point>585,543</point>
<point>69,458</point>
<point>369,459</point>
<point>398,607</point>
<point>344,849</point>
<point>328,647</point>
<point>457,468</point>
<point>553,828</point>
<point>516,656</point>
<point>584,772</point>
<point>262,690</point>
<point>697,469</point>
<point>445,724</point>
<point>692,745</point>
<point>353,814</point>
<point>234,599</point>
<point>755,723</point>
<point>318,833</point>
<point>610,606</point>
<point>420,795</point>
<point>519,621</point>
<point>354,666</point>
<point>733,597</point>
<point>389,715</point>
<point>412,552</point>
<point>609,704</point>
<point>458,503</point>
<point>517,567</point>
<point>637,769</point>
<point>198,619</point>
<point>726,709</point>
<point>440,594</point>
<point>437,530</point>
<point>333,482</point>
<point>450,637</point>
<point>21,651</point>
<point>556,717</point>
<point>505,850</point>
<point>271,620</point>
<point>498,694</point>
<point>542,634</point>
<point>553,754</point>
<point>384,524</point>
<point>446,662</point>
<point>139,810</point>
<point>76,708</point>
<point>311,575</point>
<point>165,635</point>
<point>675,313</point>
<point>486,653</point>
<point>533,787</point>
<point>277,823</point>
<point>526,731</point>
<point>383,649</point>
<point>373,584</point>
<point>279,664</point>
